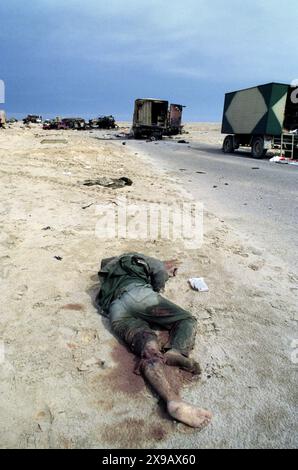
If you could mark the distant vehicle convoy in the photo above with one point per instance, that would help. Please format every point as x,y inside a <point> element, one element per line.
<point>102,122</point>
<point>153,118</point>
<point>263,118</point>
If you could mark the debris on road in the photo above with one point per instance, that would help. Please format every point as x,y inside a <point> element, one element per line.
<point>86,207</point>
<point>113,183</point>
<point>283,160</point>
<point>198,283</point>
<point>59,258</point>
<point>86,365</point>
<point>54,141</point>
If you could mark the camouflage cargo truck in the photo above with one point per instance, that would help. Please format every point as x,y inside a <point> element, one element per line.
<point>263,118</point>
<point>150,118</point>
<point>2,118</point>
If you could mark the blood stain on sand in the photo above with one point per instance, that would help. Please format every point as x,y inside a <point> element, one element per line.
<point>77,307</point>
<point>122,377</point>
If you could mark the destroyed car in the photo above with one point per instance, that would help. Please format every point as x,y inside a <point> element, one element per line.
<point>103,122</point>
<point>72,123</point>
<point>33,119</point>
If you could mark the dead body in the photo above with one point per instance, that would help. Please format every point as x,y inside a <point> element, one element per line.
<point>130,297</point>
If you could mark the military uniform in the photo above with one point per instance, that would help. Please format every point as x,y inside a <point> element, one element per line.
<point>129,296</point>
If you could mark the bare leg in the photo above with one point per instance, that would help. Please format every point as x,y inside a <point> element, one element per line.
<point>175,358</point>
<point>153,369</point>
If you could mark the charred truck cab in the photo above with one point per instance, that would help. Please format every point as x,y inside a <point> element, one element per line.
<point>175,119</point>
<point>263,118</point>
<point>150,118</point>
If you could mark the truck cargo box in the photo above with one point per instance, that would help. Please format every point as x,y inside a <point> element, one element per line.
<point>258,110</point>
<point>150,117</point>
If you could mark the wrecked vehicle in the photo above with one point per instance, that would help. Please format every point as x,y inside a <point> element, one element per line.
<point>11,120</point>
<point>103,122</point>
<point>49,124</point>
<point>72,123</point>
<point>174,126</point>
<point>150,118</point>
<point>33,119</point>
<point>2,118</point>
<point>264,117</point>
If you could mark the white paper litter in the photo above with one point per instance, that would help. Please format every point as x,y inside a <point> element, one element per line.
<point>278,159</point>
<point>198,283</point>
<point>281,159</point>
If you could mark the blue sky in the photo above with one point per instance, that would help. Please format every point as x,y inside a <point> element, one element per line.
<point>92,57</point>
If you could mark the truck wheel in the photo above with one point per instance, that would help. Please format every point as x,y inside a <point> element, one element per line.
<point>257,147</point>
<point>228,144</point>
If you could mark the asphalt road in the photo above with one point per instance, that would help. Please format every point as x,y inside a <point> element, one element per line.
<point>256,197</point>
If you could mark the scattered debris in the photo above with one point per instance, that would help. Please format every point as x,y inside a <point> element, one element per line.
<point>255,168</point>
<point>59,258</point>
<point>113,183</point>
<point>201,172</point>
<point>123,143</point>
<point>182,141</point>
<point>86,365</point>
<point>198,283</point>
<point>282,159</point>
<point>54,141</point>
<point>46,228</point>
<point>214,186</point>
<point>86,207</point>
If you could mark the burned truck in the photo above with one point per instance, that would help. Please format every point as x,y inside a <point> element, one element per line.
<point>264,117</point>
<point>150,118</point>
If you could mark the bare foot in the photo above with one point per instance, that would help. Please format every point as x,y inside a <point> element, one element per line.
<point>174,358</point>
<point>189,414</point>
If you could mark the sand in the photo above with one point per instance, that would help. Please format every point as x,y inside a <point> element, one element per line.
<point>66,381</point>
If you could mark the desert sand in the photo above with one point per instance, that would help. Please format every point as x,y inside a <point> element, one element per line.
<point>66,382</point>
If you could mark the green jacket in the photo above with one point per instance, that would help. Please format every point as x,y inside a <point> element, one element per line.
<point>119,272</point>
